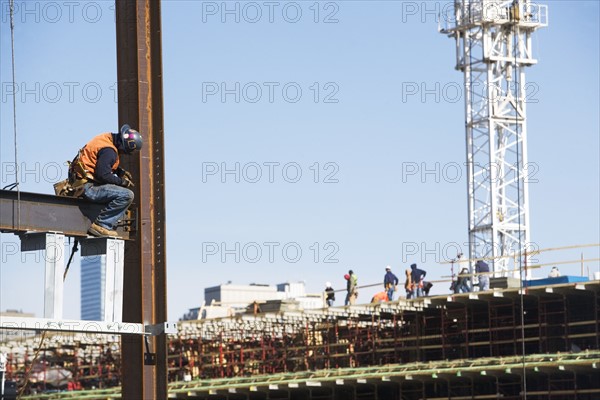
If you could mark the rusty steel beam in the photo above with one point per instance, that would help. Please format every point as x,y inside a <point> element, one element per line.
<point>22,212</point>
<point>139,74</point>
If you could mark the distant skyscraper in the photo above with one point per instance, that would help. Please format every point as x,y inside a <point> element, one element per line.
<point>93,272</point>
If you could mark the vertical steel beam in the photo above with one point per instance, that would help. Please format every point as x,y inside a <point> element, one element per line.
<point>53,245</point>
<point>112,293</point>
<point>55,265</point>
<point>113,287</point>
<point>139,73</point>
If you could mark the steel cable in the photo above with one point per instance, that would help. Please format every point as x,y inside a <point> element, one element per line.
<point>12,47</point>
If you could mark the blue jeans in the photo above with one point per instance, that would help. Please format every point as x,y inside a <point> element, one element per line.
<point>484,282</point>
<point>417,292</point>
<point>118,200</point>
<point>463,288</point>
<point>390,293</point>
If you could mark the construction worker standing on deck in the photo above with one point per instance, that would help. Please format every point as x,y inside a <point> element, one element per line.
<point>329,294</point>
<point>463,282</point>
<point>416,276</point>
<point>390,282</point>
<point>408,286</point>
<point>96,172</point>
<point>483,270</point>
<point>351,287</point>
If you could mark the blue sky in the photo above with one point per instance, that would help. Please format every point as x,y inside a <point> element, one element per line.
<point>309,101</point>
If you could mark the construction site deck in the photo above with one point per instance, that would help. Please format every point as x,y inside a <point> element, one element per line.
<point>537,342</point>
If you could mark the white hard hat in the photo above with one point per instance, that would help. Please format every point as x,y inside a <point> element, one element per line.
<point>328,284</point>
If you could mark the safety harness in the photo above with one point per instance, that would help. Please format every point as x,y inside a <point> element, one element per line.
<point>78,176</point>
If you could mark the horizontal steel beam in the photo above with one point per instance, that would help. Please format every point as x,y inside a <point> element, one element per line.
<point>66,326</point>
<point>22,212</point>
<point>422,372</point>
<point>71,326</point>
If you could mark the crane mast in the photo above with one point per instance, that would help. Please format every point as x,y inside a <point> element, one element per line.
<point>493,47</point>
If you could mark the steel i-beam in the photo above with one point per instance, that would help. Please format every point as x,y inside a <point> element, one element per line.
<point>113,250</point>
<point>139,73</point>
<point>53,246</point>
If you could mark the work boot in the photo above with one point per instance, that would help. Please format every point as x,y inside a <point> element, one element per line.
<point>99,231</point>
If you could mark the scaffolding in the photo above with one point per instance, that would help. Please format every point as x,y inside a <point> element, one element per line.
<point>393,348</point>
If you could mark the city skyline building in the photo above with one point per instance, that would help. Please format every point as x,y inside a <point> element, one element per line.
<point>93,274</point>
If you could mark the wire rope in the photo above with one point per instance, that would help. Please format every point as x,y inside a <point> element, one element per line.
<point>514,15</point>
<point>12,47</point>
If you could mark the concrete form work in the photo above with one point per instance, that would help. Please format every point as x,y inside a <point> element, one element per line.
<point>460,346</point>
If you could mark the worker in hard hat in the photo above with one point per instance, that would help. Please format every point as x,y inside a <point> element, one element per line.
<point>96,172</point>
<point>390,282</point>
<point>329,294</point>
<point>351,288</point>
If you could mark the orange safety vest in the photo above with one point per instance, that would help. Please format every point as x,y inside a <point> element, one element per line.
<point>381,296</point>
<point>89,153</point>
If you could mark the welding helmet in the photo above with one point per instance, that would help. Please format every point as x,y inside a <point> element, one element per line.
<point>130,139</point>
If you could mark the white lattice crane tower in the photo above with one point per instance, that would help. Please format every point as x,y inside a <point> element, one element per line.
<point>493,47</point>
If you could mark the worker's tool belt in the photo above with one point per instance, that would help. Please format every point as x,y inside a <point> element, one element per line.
<point>74,185</point>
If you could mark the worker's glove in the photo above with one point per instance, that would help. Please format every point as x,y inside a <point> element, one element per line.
<point>121,173</point>
<point>126,182</point>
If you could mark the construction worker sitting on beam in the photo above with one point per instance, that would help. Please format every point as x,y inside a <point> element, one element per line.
<point>95,174</point>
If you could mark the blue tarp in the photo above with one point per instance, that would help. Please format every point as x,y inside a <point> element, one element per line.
<point>555,281</point>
